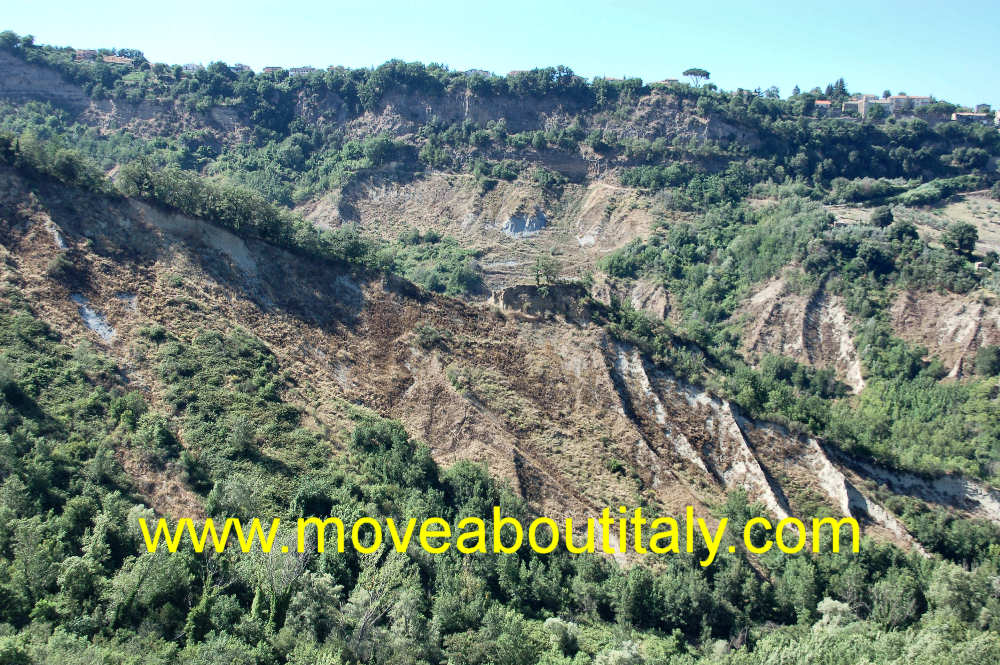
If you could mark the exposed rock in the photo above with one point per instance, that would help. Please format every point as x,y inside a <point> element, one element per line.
<point>57,236</point>
<point>22,81</point>
<point>739,453</point>
<point>92,318</point>
<point>191,230</point>
<point>567,300</point>
<point>814,330</point>
<point>951,326</point>
<point>523,225</point>
<point>582,222</point>
<point>642,294</point>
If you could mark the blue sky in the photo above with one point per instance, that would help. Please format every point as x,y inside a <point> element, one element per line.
<point>948,49</point>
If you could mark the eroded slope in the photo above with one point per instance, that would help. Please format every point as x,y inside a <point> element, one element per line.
<point>573,418</point>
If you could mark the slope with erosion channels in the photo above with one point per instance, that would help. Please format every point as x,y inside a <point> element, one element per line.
<point>952,327</point>
<point>575,419</point>
<point>571,429</point>
<point>813,329</point>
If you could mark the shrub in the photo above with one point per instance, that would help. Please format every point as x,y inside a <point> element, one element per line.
<point>59,267</point>
<point>881,217</point>
<point>961,237</point>
<point>428,336</point>
<point>988,360</point>
<point>548,179</point>
<point>505,170</point>
<point>864,189</point>
<point>410,236</point>
<point>155,333</point>
<point>8,385</point>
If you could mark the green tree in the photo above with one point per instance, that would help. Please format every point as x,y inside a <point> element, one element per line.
<point>876,112</point>
<point>988,360</point>
<point>697,75</point>
<point>546,270</point>
<point>380,586</point>
<point>895,599</point>
<point>960,237</point>
<point>273,575</point>
<point>881,217</point>
<point>9,40</point>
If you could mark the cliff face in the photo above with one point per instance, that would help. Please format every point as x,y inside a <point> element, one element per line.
<point>511,225</point>
<point>656,115</point>
<point>21,82</point>
<point>659,115</point>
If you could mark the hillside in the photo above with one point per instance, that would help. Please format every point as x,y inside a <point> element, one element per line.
<point>476,382</point>
<point>408,291</point>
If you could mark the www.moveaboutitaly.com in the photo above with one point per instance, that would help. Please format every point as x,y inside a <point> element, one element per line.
<point>611,534</point>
